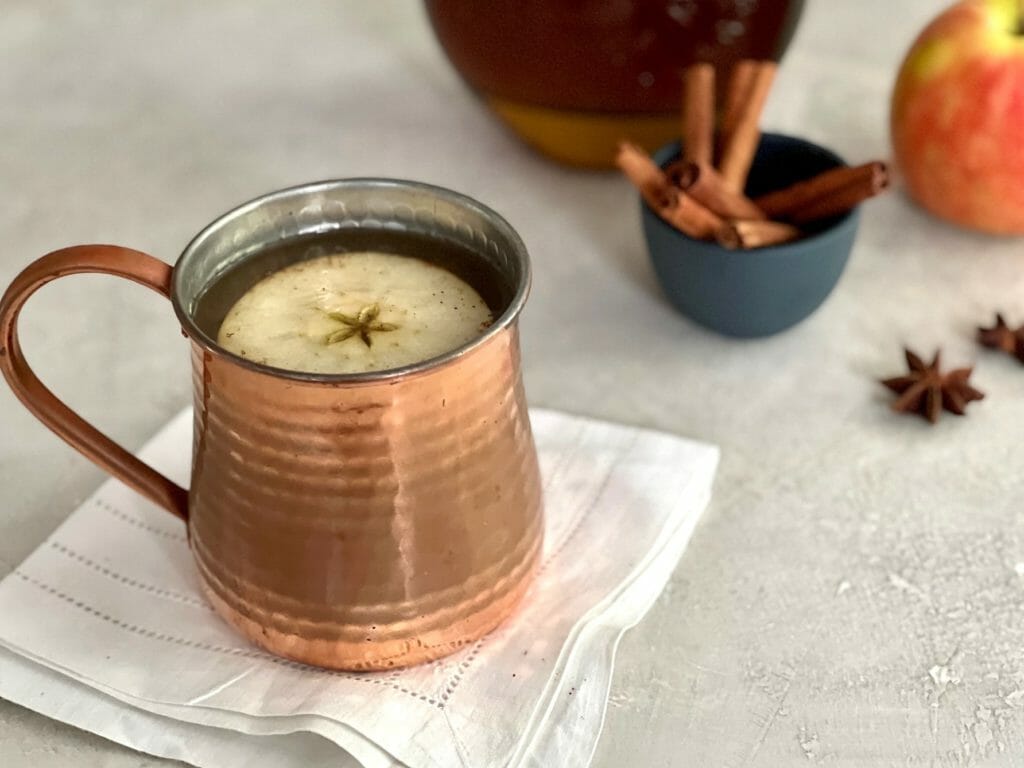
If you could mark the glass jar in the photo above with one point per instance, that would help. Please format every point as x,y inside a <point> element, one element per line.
<point>574,77</point>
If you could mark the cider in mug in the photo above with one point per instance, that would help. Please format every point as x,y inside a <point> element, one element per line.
<point>353,313</point>
<point>351,303</point>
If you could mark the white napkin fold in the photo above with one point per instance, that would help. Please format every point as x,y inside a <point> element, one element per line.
<point>104,627</point>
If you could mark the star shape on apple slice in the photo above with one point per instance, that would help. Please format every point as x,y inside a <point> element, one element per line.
<point>363,324</point>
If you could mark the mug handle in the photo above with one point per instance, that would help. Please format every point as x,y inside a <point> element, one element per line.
<point>82,436</point>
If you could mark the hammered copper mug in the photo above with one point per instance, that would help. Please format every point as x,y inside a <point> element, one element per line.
<point>359,521</point>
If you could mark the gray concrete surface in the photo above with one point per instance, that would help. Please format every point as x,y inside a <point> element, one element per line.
<point>855,593</point>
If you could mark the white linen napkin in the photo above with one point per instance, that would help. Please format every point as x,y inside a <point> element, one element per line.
<point>104,627</point>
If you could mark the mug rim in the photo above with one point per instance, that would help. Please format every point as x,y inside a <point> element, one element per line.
<point>506,319</point>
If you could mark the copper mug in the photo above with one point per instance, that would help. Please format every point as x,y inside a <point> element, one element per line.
<point>359,521</point>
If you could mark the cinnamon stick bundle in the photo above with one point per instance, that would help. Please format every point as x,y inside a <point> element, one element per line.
<point>708,203</point>
<point>741,142</point>
<point>827,194</point>
<point>699,113</point>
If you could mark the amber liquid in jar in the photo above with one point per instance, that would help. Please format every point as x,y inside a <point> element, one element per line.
<point>573,77</point>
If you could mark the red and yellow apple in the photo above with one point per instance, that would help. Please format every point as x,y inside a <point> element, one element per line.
<point>957,116</point>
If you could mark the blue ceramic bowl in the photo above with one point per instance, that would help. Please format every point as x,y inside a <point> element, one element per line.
<point>764,290</point>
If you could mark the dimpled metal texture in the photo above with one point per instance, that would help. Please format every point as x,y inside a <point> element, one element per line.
<point>363,521</point>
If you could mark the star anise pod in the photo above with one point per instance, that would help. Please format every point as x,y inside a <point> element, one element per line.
<point>925,390</point>
<point>1001,336</point>
<point>362,325</point>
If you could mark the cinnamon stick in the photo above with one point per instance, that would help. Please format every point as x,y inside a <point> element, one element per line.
<point>826,194</point>
<point>692,218</point>
<point>705,185</point>
<point>672,204</point>
<point>698,112</point>
<point>737,92</point>
<point>740,146</point>
<point>755,234</point>
<point>647,177</point>
<point>844,199</point>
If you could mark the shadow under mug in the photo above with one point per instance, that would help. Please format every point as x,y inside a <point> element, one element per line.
<point>357,521</point>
